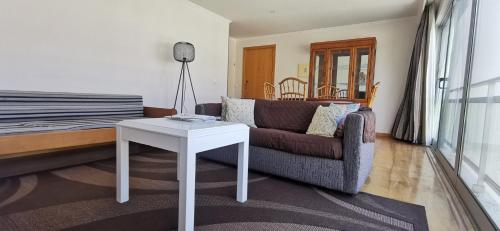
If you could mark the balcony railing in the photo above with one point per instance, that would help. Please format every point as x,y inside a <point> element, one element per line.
<point>482,102</point>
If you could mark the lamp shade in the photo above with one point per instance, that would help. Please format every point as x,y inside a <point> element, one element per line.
<point>184,51</point>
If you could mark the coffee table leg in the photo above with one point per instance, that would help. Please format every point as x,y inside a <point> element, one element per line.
<point>122,162</point>
<point>178,167</point>
<point>242,189</point>
<point>186,187</point>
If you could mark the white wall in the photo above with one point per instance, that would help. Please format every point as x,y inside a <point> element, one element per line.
<point>394,45</point>
<point>231,71</point>
<point>111,46</point>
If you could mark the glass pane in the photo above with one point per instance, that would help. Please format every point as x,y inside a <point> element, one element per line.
<point>452,100</point>
<point>443,49</point>
<point>481,156</point>
<point>442,75</point>
<point>361,73</point>
<point>340,71</point>
<point>319,71</point>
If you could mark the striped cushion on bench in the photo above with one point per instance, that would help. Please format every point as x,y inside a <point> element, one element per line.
<point>28,111</point>
<point>59,125</point>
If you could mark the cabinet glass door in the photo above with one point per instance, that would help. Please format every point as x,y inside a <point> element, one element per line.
<point>361,73</point>
<point>341,61</point>
<point>319,73</point>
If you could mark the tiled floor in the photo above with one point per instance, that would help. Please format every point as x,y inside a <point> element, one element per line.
<point>405,172</point>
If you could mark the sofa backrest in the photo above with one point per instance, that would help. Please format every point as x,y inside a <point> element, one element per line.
<point>210,109</point>
<point>20,106</point>
<point>288,115</point>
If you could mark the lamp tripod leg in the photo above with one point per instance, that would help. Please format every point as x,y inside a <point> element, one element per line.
<point>183,90</point>
<point>190,81</point>
<point>178,85</point>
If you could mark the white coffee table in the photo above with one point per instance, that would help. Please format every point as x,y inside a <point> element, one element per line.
<point>187,139</point>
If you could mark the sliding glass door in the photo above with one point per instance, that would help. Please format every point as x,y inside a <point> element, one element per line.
<point>457,30</point>
<point>468,144</point>
<point>480,162</point>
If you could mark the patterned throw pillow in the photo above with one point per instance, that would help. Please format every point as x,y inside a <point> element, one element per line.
<point>345,109</point>
<point>340,119</point>
<point>238,110</point>
<point>323,122</point>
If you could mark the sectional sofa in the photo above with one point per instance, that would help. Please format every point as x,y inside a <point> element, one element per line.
<point>279,145</point>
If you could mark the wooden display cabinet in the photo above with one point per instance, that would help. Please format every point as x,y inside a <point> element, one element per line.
<point>346,67</point>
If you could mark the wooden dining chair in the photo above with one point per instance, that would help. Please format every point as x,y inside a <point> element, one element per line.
<point>292,88</point>
<point>373,91</point>
<point>327,92</point>
<point>269,91</point>
<point>342,94</point>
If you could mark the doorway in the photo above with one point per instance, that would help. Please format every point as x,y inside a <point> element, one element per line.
<point>258,68</point>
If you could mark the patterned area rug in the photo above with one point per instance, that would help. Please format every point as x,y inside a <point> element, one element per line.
<point>83,198</point>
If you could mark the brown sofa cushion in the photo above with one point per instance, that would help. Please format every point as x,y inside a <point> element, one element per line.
<point>211,109</point>
<point>301,144</point>
<point>292,116</point>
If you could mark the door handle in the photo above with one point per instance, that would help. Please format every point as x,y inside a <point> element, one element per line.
<point>442,83</point>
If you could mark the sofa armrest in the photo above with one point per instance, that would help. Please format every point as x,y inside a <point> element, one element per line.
<point>369,123</point>
<point>211,109</point>
<point>358,156</point>
<point>155,112</point>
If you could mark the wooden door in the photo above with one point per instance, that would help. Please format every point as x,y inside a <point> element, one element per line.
<point>258,68</point>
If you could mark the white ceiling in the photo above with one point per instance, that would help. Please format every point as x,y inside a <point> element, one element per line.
<point>263,17</point>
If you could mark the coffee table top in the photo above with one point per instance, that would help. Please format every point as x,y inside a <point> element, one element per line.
<point>183,128</point>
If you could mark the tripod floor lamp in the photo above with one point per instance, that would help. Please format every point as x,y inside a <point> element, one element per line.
<point>184,52</point>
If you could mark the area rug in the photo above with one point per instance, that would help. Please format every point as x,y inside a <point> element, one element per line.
<point>83,198</point>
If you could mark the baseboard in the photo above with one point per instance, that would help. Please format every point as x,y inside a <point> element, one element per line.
<point>383,135</point>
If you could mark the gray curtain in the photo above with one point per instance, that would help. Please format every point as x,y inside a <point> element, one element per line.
<point>410,123</point>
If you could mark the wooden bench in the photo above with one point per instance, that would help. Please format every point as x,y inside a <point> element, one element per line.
<point>47,130</point>
<point>43,142</point>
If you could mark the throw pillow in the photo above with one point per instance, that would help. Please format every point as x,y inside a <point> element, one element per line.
<point>238,110</point>
<point>340,119</point>
<point>345,109</point>
<point>323,122</point>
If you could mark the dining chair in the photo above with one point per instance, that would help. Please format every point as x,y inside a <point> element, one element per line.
<point>269,91</point>
<point>373,91</point>
<point>327,92</point>
<point>292,88</point>
<point>342,94</point>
